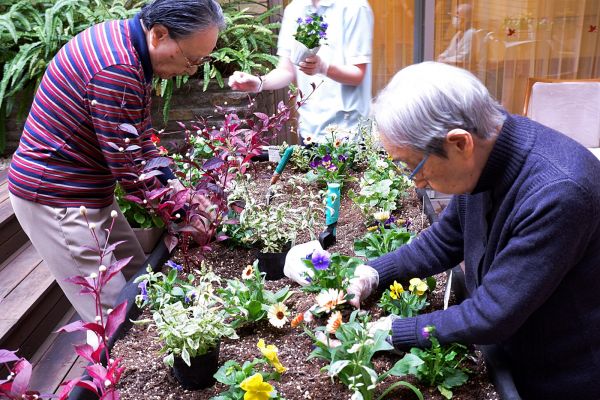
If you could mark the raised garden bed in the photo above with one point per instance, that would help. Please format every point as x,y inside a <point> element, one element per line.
<point>146,374</point>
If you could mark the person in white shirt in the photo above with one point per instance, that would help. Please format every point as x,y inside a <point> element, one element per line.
<point>341,68</point>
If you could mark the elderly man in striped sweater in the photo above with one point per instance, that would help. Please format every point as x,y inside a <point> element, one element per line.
<point>99,80</point>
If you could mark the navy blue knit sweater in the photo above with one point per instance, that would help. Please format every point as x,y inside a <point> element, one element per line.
<point>530,237</point>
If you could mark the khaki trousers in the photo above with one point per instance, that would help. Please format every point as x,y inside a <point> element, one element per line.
<point>62,238</point>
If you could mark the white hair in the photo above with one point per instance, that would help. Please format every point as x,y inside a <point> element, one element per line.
<point>423,102</point>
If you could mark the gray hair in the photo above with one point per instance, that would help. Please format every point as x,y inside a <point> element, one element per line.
<point>183,17</point>
<point>424,101</point>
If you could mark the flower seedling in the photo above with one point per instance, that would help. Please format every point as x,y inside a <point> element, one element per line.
<point>311,31</point>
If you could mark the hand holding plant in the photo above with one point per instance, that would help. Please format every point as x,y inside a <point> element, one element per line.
<point>311,31</point>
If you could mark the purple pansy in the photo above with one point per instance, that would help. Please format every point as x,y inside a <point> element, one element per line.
<point>174,265</point>
<point>324,26</point>
<point>315,163</point>
<point>143,290</point>
<point>308,20</point>
<point>342,158</point>
<point>320,259</point>
<point>299,20</point>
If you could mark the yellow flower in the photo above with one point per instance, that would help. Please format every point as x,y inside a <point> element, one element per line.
<point>255,388</point>
<point>334,322</point>
<point>278,315</point>
<point>248,272</point>
<point>382,216</point>
<point>417,286</point>
<point>396,290</point>
<point>372,228</point>
<point>270,353</point>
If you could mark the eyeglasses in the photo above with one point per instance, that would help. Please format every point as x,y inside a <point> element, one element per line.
<point>190,63</point>
<point>418,167</point>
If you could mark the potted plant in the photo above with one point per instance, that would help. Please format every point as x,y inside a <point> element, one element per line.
<point>148,227</point>
<point>271,225</point>
<point>191,334</point>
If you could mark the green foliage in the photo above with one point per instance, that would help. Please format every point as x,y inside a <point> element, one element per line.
<point>137,216</point>
<point>382,241</point>
<point>244,45</point>
<point>350,359</point>
<point>311,31</point>
<point>201,149</point>
<point>336,274</point>
<point>270,226</point>
<point>300,158</point>
<point>247,300</point>
<point>164,289</point>
<point>406,303</point>
<point>32,32</point>
<point>381,187</point>
<point>192,330</point>
<point>438,366</point>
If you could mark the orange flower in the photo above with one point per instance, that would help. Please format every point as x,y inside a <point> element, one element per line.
<point>298,319</point>
<point>334,322</point>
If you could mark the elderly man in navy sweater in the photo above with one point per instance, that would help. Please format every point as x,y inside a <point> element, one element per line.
<point>525,218</point>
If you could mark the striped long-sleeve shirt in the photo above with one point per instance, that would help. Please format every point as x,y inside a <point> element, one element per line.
<point>69,151</point>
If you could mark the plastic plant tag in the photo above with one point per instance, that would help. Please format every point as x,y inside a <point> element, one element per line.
<point>274,155</point>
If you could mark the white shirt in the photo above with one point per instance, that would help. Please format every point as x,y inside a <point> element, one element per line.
<point>349,42</point>
<point>459,49</point>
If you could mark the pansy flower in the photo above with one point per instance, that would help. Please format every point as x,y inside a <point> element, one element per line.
<point>143,290</point>
<point>270,353</point>
<point>255,388</point>
<point>417,286</point>
<point>321,259</point>
<point>396,290</point>
<point>174,265</point>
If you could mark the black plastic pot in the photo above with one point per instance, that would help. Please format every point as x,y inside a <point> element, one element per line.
<point>495,361</point>
<point>272,263</point>
<point>199,374</point>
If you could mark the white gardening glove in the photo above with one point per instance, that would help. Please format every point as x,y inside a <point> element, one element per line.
<point>245,82</point>
<point>364,282</point>
<point>294,267</point>
<point>382,324</point>
<point>314,65</point>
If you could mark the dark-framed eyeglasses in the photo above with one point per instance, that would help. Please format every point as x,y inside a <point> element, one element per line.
<point>418,167</point>
<point>190,63</point>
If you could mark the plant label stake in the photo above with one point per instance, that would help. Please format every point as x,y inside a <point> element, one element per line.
<point>278,170</point>
<point>332,212</point>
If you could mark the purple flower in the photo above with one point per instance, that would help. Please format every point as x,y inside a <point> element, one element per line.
<point>427,331</point>
<point>315,163</point>
<point>324,26</point>
<point>389,221</point>
<point>342,158</point>
<point>308,20</point>
<point>174,265</point>
<point>320,259</point>
<point>143,290</point>
<point>321,34</point>
<point>299,20</point>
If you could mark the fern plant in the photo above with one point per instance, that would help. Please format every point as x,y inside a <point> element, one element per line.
<point>32,32</point>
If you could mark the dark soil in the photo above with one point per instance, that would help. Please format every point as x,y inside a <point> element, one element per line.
<point>147,377</point>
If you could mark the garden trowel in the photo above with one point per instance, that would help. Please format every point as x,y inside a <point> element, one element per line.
<point>278,170</point>
<point>332,212</point>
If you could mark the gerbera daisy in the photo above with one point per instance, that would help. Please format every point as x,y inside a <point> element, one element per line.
<point>334,322</point>
<point>278,315</point>
<point>248,272</point>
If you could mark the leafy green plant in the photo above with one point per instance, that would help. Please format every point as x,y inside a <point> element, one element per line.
<point>270,226</point>
<point>300,158</point>
<point>31,33</point>
<point>350,356</point>
<point>382,241</point>
<point>158,289</point>
<point>329,271</point>
<point>239,377</point>
<point>381,187</point>
<point>192,330</point>
<point>311,31</point>
<point>438,366</point>
<point>407,303</point>
<point>246,44</point>
<point>137,215</point>
<point>247,300</point>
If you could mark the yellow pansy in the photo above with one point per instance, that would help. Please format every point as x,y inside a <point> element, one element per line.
<point>255,388</point>
<point>417,286</point>
<point>396,290</point>
<point>270,353</point>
